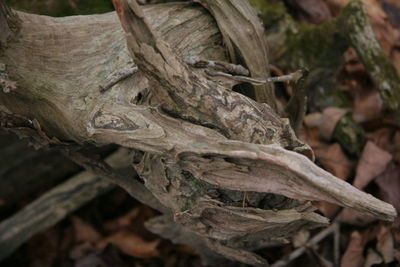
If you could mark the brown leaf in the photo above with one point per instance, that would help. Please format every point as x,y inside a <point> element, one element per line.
<point>327,209</point>
<point>43,253</point>
<point>333,159</point>
<point>131,244</point>
<point>311,137</point>
<point>83,231</point>
<point>392,9</point>
<point>385,244</point>
<point>396,150</point>
<point>80,251</point>
<point>367,105</point>
<point>311,11</point>
<point>389,182</point>
<point>372,258</point>
<point>383,138</point>
<point>354,218</point>
<point>353,256</point>
<point>326,122</point>
<point>352,63</point>
<point>395,57</point>
<point>122,221</point>
<point>397,255</point>
<point>373,162</point>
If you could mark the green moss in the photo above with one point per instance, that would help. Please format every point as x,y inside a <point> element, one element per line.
<point>307,46</point>
<point>270,13</point>
<point>350,135</point>
<point>62,8</point>
<point>312,46</point>
<point>323,91</point>
<point>356,27</point>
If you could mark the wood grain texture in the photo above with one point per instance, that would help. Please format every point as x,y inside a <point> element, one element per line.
<point>202,144</point>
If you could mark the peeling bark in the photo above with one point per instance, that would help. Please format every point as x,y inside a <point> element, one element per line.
<point>199,145</point>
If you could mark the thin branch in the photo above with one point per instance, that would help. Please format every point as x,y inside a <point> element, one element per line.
<point>292,77</point>
<point>336,246</point>
<point>296,108</point>
<point>312,242</point>
<point>197,62</point>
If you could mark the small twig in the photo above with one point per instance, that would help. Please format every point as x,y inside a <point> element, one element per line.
<point>296,108</point>
<point>116,78</point>
<point>312,242</point>
<point>336,246</point>
<point>244,199</point>
<point>292,77</point>
<point>238,78</point>
<point>196,62</point>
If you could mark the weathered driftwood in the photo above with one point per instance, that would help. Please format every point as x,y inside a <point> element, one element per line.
<point>203,144</point>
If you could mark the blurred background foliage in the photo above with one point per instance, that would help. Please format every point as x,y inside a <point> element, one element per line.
<point>60,8</point>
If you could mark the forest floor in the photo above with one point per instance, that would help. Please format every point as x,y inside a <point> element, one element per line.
<point>99,234</point>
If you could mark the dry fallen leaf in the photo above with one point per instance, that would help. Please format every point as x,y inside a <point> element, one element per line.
<point>311,11</point>
<point>325,121</point>
<point>373,162</point>
<point>131,244</point>
<point>383,137</point>
<point>395,57</point>
<point>83,231</point>
<point>389,183</point>
<point>392,10</point>
<point>333,159</point>
<point>367,105</point>
<point>311,137</point>
<point>385,244</point>
<point>80,251</point>
<point>372,258</point>
<point>122,221</point>
<point>329,210</point>
<point>354,218</point>
<point>396,147</point>
<point>352,63</point>
<point>43,253</point>
<point>353,256</point>
<point>397,255</point>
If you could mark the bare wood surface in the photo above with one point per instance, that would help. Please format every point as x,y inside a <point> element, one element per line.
<point>240,28</point>
<point>197,136</point>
